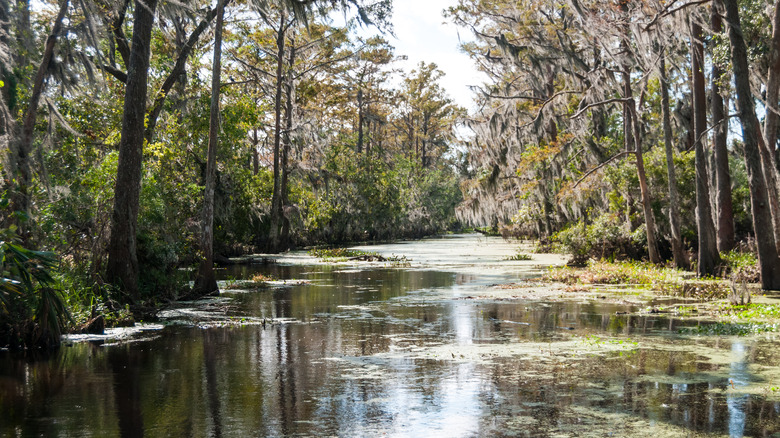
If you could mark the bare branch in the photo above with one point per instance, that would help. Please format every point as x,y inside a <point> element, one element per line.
<point>603,102</point>
<point>115,72</point>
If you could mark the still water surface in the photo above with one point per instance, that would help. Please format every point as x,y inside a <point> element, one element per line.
<point>431,348</point>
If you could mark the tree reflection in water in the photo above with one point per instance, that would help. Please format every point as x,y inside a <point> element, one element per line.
<point>400,352</point>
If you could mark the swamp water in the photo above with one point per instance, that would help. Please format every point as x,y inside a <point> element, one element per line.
<point>444,345</point>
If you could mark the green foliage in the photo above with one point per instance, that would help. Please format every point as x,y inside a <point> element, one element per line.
<point>364,197</point>
<point>606,237</point>
<point>741,266</point>
<point>32,312</point>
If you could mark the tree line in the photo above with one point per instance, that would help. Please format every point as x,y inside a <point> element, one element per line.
<point>141,137</point>
<point>605,125</point>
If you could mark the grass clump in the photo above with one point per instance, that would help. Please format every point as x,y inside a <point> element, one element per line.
<point>520,257</point>
<point>257,281</point>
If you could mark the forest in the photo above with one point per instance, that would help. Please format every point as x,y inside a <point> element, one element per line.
<point>143,142</point>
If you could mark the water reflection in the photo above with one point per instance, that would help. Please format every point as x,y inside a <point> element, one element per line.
<point>386,352</point>
<point>738,378</point>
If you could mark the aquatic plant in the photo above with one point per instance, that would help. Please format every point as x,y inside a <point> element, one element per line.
<point>628,272</point>
<point>343,254</point>
<point>741,266</point>
<point>641,274</point>
<point>729,329</point>
<point>255,282</point>
<point>520,257</point>
<point>739,294</point>
<point>330,253</point>
<point>752,312</point>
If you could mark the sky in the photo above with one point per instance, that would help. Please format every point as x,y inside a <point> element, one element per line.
<point>422,35</point>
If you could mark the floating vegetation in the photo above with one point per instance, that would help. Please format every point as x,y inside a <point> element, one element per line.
<point>257,281</point>
<point>752,312</point>
<point>666,280</point>
<point>729,329</point>
<point>337,253</point>
<point>345,254</point>
<point>596,341</point>
<point>399,261</point>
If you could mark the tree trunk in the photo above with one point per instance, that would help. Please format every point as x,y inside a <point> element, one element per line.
<point>768,259</point>
<point>770,176</point>
<point>652,244</point>
<point>284,237</point>
<point>632,137</point>
<point>725,213</point>
<point>276,198</point>
<point>773,88</point>
<point>360,121</point>
<point>769,151</point>
<point>709,259</point>
<point>680,259</point>
<point>205,282</point>
<point>255,153</point>
<point>122,269</point>
<point>24,148</point>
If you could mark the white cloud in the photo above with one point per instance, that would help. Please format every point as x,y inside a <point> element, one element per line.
<point>423,35</point>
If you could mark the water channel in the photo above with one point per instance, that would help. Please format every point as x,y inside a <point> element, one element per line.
<point>450,343</point>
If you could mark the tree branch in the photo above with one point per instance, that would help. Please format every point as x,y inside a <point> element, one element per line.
<point>667,12</point>
<point>178,69</point>
<point>600,166</point>
<point>600,103</point>
<point>115,72</point>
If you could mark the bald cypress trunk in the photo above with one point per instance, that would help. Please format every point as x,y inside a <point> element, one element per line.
<point>725,211</point>
<point>205,282</point>
<point>680,259</point>
<point>277,211</point>
<point>709,259</point>
<point>652,244</point>
<point>284,236</point>
<point>768,259</point>
<point>773,88</point>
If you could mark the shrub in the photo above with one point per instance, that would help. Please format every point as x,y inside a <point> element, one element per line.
<point>32,312</point>
<point>605,238</point>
